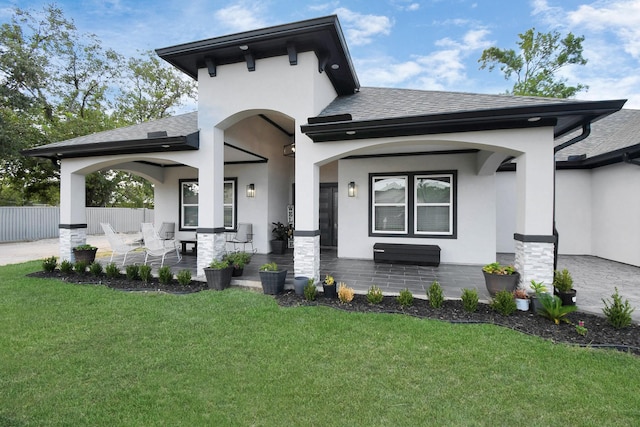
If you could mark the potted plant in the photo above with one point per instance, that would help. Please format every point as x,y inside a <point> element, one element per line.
<point>499,277</point>
<point>299,282</point>
<point>329,287</point>
<point>218,274</point>
<point>538,289</point>
<point>271,278</point>
<point>563,287</point>
<point>522,299</point>
<point>238,260</point>
<point>85,253</point>
<point>281,234</point>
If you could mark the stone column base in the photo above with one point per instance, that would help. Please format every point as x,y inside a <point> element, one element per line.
<point>534,261</point>
<point>69,239</point>
<point>210,246</point>
<point>306,257</point>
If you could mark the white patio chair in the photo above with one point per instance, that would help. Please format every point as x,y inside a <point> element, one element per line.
<point>118,245</point>
<point>243,236</point>
<point>155,246</point>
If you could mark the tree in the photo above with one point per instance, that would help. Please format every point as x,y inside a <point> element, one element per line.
<point>537,63</point>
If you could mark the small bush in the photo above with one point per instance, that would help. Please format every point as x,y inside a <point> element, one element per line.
<point>184,277</point>
<point>165,275</point>
<point>374,295</point>
<point>112,270</point>
<point>552,308</point>
<point>80,267</point>
<point>145,273</point>
<point>562,280</point>
<point>504,303</point>
<point>49,264</point>
<point>270,266</point>
<point>618,313</point>
<point>310,291</point>
<point>95,268</point>
<point>132,272</point>
<point>345,293</point>
<point>405,298</point>
<point>66,266</point>
<point>470,300</point>
<point>435,295</point>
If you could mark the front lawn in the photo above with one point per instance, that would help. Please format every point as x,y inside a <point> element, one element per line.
<point>89,355</point>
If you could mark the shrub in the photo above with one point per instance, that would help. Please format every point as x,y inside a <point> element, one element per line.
<point>310,291</point>
<point>374,295</point>
<point>184,277</point>
<point>237,259</point>
<point>618,313</point>
<point>80,267</point>
<point>345,293</point>
<point>145,273</point>
<point>165,275</point>
<point>49,264</point>
<point>497,268</point>
<point>85,247</point>
<point>132,272</point>
<point>435,295</point>
<point>95,268</point>
<point>270,266</point>
<point>66,266</point>
<point>405,298</point>
<point>112,270</point>
<point>520,293</point>
<point>504,303</point>
<point>219,264</point>
<point>470,300</point>
<point>552,308</point>
<point>562,280</point>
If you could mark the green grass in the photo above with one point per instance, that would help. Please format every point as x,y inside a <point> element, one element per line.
<point>88,355</point>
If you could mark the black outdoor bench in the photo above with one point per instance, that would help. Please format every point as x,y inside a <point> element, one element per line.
<point>401,253</point>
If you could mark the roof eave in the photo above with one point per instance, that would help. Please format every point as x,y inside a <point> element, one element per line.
<point>154,145</point>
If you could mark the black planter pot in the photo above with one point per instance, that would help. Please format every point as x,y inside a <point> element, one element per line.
<point>87,255</point>
<point>501,282</point>
<point>273,281</point>
<point>536,304</point>
<point>330,291</point>
<point>278,246</point>
<point>237,272</point>
<point>218,279</point>
<point>567,298</point>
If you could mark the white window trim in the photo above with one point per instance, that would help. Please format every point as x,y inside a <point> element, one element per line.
<point>233,204</point>
<point>183,204</point>
<point>416,205</point>
<point>405,204</point>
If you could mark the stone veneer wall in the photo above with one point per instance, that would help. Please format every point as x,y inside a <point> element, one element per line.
<point>210,246</point>
<point>306,257</point>
<point>534,261</point>
<point>69,239</point>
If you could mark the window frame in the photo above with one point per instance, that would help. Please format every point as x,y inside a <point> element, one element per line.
<point>412,205</point>
<point>181,205</point>
<point>373,204</point>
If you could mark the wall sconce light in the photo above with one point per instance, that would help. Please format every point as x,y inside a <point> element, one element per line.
<point>351,189</point>
<point>251,190</point>
<point>289,150</point>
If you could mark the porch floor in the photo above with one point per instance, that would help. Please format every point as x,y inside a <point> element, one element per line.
<point>594,278</point>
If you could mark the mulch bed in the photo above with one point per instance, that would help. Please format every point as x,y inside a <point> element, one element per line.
<point>600,333</point>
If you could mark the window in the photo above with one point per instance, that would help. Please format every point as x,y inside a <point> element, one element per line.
<point>415,204</point>
<point>189,204</point>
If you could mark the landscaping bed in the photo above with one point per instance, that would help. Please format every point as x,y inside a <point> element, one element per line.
<point>599,332</point>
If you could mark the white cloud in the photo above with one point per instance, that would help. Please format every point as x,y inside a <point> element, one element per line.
<point>241,16</point>
<point>361,29</point>
<point>413,7</point>
<point>323,6</point>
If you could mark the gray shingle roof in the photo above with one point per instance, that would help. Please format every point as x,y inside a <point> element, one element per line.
<point>614,132</point>
<point>373,103</point>
<point>181,125</point>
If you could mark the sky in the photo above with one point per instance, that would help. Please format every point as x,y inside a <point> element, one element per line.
<point>415,44</point>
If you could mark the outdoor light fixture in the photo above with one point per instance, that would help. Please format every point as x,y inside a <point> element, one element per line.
<point>351,189</point>
<point>251,190</point>
<point>289,150</point>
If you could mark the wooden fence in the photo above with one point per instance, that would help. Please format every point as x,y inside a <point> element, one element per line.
<point>34,223</point>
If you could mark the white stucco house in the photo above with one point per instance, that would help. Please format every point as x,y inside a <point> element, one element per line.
<point>281,112</point>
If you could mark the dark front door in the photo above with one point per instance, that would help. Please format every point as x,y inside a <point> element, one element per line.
<point>328,217</point>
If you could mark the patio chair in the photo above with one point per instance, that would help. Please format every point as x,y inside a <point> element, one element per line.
<point>243,236</point>
<point>118,245</point>
<point>155,246</point>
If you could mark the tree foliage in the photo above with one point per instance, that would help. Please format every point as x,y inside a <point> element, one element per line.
<point>57,84</point>
<point>537,63</point>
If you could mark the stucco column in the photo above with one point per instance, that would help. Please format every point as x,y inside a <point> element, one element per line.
<point>73,214</point>
<point>534,223</point>
<point>211,237</point>
<point>306,253</point>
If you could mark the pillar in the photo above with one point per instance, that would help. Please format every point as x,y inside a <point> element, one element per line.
<point>73,212</point>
